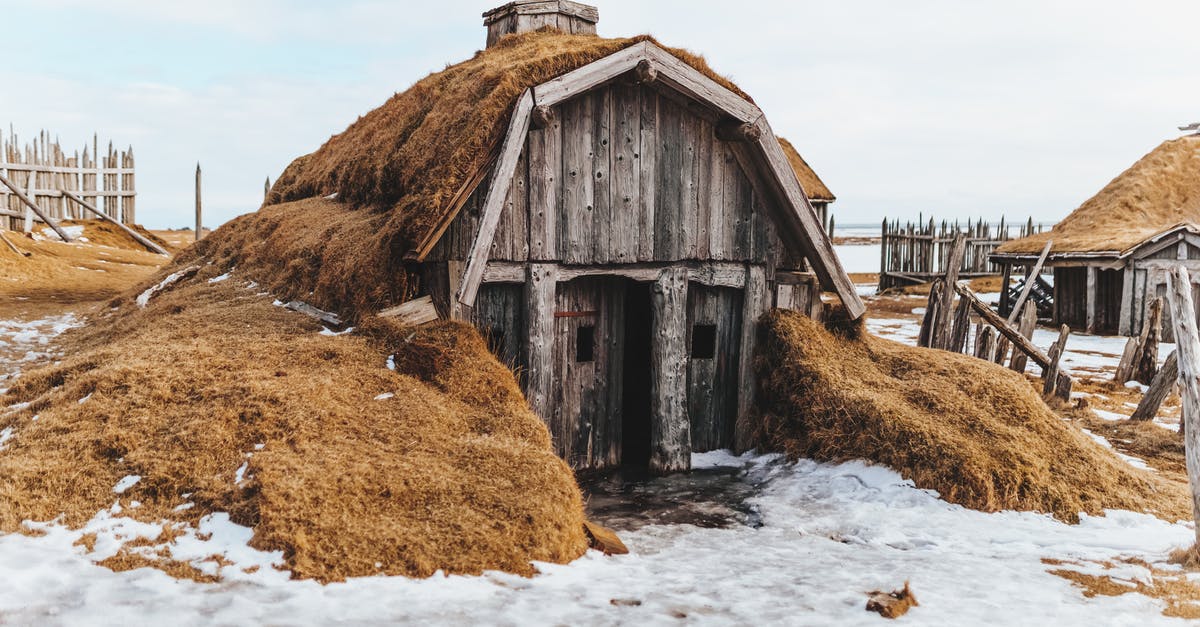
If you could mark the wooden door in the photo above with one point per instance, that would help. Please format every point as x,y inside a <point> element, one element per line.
<point>714,352</point>
<point>588,344</point>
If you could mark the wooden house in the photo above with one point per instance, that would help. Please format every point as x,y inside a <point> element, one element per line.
<point>619,241</point>
<point>1111,255</point>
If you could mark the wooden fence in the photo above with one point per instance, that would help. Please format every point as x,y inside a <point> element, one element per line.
<point>917,252</point>
<point>42,169</point>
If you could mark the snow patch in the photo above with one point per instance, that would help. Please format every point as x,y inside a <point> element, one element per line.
<point>126,482</point>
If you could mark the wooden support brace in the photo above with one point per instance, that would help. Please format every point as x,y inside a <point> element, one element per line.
<point>144,241</point>
<point>1159,390</point>
<point>34,208</point>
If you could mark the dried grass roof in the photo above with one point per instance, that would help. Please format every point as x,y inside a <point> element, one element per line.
<point>421,149</point>
<point>812,184</point>
<point>975,432</point>
<point>1159,192</point>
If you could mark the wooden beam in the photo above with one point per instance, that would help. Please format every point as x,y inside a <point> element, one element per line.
<point>34,208</point>
<point>1031,277</point>
<point>731,130</point>
<point>591,75</point>
<point>514,141</point>
<point>692,83</point>
<point>710,273</point>
<point>144,241</point>
<point>1183,315</point>
<point>1091,299</point>
<point>542,117</point>
<point>415,312</point>
<point>670,429</point>
<point>541,290</point>
<point>808,229</point>
<point>992,318</point>
<point>754,305</point>
<point>13,246</point>
<point>1160,389</point>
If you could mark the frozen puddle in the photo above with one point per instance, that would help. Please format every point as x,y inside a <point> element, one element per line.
<point>823,536</point>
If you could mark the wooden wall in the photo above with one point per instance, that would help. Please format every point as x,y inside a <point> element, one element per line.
<point>625,174</point>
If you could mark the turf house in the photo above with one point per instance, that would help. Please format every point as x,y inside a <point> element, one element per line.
<point>1110,256</point>
<point>612,214</point>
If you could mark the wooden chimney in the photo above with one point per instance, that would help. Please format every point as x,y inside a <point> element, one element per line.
<point>523,16</point>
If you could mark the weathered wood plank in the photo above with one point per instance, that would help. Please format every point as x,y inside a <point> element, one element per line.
<point>985,312</point>
<point>591,75</point>
<point>601,175</point>
<point>1025,327</point>
<point>1160,389</point>
<point>540,291</point>
<point>577,235</point>
<point>755,302</point>
<point>1183,313</point>
<point>514,141</point>
<point>1030,279</point>
<point>1050,371</point>
<point>545,172</point>
<point>414,312</point>
<point>670,427</point>
<point>128,231</point>
<point>626,174</point>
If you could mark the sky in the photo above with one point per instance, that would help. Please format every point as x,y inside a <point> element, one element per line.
<point>949,108</point>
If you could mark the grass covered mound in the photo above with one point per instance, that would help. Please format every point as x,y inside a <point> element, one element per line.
<point>351,468</point>
<point>973,431</point>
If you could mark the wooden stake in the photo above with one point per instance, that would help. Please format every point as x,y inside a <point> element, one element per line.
<point>1187,340</point>
<point>103,216</point>
<point>199,211</point>
<point>1159,390</point>
<point>1025,328</point>
<point>1050,371</point>
<point>940,336</point>
<point>34,208</point>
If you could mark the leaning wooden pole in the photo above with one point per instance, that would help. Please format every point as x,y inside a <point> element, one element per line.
<point>128,231</point>
<point>199,211</point>
<point>1187,353</point>
<point>34,208</point>
<point>1030,279</point>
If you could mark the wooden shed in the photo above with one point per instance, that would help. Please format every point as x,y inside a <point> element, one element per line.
<point>1111,255</point>
<point>617,242</point>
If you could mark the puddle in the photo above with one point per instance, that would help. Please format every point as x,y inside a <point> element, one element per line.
<point>706,497</point>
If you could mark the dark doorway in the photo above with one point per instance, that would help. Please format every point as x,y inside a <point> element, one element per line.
<point>635,426</point>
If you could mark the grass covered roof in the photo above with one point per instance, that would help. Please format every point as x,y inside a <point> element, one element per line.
<point>421,148</point>
<point>1159,192</point>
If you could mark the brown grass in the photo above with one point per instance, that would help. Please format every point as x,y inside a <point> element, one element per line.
<point>1180,595</point>
<point>973,431</point>
<point>812,184</point>
<point>78,272</point>
<point>1160,191</point>
<point>454,472</point>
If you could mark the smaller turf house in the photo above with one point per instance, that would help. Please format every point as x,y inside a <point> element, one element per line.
<point>1110,257</point>
<point>611,213</point>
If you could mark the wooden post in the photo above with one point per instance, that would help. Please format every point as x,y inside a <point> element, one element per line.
<point>34,208</point>
<point>1050,372</point>
<point>983,347</point>
<point>1125,365</point>
<point>1183,315</point>
<point>541,290</point>
<point>1025,327</point>
<point>1005,299</point>
<point>199,211</point>
<point>1030,278</point>
<point>941,337</point>
<point>670,429</point>
<point>1159,390</point>
<point>962,327</point>
<point>928,324</point>
<point>1092,300</point>
<point>990,317</point>
<point>1145,360</point>
<point>754,304</point>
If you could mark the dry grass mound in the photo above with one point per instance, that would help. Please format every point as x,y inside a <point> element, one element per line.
<point>975,432</point>
<point>1160,191</point>
<point>452,471</point>
<point>102,233</point>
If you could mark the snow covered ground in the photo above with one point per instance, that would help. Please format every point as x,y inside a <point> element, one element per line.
<point>829,534</point>
<point>819,538</point>
<point>27,341</point>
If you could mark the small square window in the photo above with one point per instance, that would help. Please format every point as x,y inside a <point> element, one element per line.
<point>585,344</point>
<point>704,341</point>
